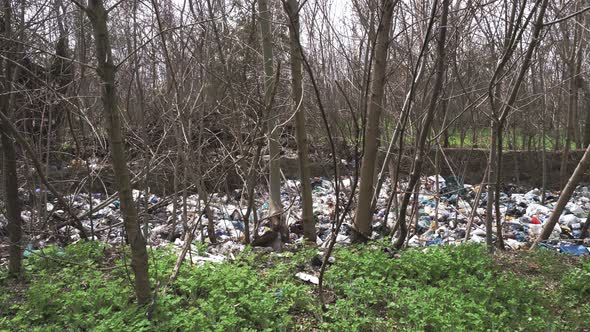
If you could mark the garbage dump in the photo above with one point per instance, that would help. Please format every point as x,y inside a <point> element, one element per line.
<point>436,218</point>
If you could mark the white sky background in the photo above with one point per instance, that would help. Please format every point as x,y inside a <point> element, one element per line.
<point>341,16</point>
<point>337,30</point>
<point>340,12</point>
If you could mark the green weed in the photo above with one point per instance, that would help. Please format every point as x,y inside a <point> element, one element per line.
<point>86,287</point>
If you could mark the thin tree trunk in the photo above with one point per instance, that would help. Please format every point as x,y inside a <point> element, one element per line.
<point>576,96</point>
<point>106,70</point>
<point>543,130</point>
<point>175,187</point>
<point>10,177</point>
<point>571,60</point>
<point>565,196</point>
<point>275,205</point>
<point>309,231</point>
<point>491,190</point>
<point>569,129</point>
<point>423,133</point>
<point>499,123</point>
<point>587,124</point>
<point>500,243</point>
<point>476,204</point>
<point>436,188</point>
<point>203,194</point>
<point>13,207</point>
<point>392,201</point>
<point>250,182</point>
<point>364,214</point>
<point>584,231</point>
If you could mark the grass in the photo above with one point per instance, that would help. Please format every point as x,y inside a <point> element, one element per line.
<point>483,140</point>
<point>86,287</point>
<point>482,136</point>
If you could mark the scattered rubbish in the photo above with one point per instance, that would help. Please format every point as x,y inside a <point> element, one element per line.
<point>308,278</point>
<point>28,250</point>
<point>576,250</point>
<point>437,218</point>
<point>436,242</point>
<point>207,258</point>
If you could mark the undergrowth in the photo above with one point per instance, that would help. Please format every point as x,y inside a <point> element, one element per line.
<point>86,287</point>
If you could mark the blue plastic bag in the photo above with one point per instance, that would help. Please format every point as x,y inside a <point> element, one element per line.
<point>577,250</point>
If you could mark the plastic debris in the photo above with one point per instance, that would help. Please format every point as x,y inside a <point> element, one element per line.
<point>435,219</point>
<point>308,278</point>
<point>576,250</point>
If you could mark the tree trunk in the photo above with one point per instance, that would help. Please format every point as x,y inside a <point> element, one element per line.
<point>584,231</point>
<point>500,243</point>
<point>569,128</point>
<point>309,232</point>
<point>364,214</point>
<point>543,127</point>
<point>436,188</point>
<point>497,124</point>
<point>106,71</point>
<point>544,149</point>
<point>13,208</point>
<point>576,87</point>
<point>10,177</point>
<point>250,182</point>
<point>491,190</point>
<point>587,124</point>
<point>423,133</point>
<point>204,196</point>
<point>565,196</point>
<point>275,205</point>
<point>570,68</point>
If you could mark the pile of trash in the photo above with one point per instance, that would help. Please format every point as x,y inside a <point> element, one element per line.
<point>436,218</point>
<point>522,217</point>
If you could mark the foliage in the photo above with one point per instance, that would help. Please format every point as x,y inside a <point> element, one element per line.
<point>511,141</point>
<point>446,288</point>
<point>574,298</point>
<point>86,287</point>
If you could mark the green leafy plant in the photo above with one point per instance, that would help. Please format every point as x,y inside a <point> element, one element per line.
<point>86,287</point>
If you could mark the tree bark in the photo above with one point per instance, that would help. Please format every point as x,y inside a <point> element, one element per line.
<point>364,214</point>
<point>106,70</point>
<point>13,207</point>
<point>10,177</point>
<point>500,243</point>
<point>587,124</point>
<point>565,196</point>
<point>309,232</point>
<point>491,191</point>
<point>423,134</point>
<point>584,231</point>
<point>275,205</point>
<point>571,63</point>
<point>498,123</point>
<point>569,128</point>
<point>543,127</point>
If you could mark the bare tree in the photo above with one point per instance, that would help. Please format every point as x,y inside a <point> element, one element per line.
<point>98,16</point>
<point>565,196</point>
<point>292,9</point>
<point>9,170</point>
<point>275,206</point>
<point>364,213</point>
<point>426,123</point>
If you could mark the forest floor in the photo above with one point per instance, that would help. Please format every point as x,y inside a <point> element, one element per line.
<point>86,287</point>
